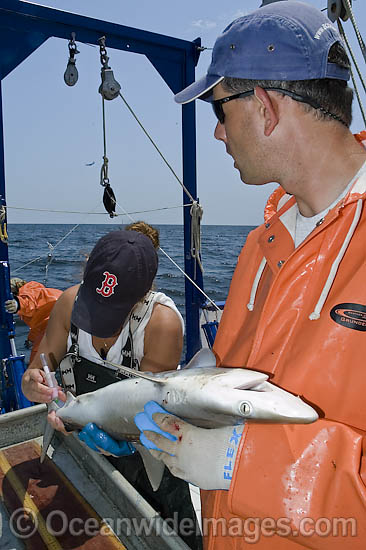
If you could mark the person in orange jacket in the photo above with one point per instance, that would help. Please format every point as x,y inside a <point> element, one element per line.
<point>296,308</point>
<point>33,302</point>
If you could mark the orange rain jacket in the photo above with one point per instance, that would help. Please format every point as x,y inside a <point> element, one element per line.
<point>36,303</point>
<point>300,316</point>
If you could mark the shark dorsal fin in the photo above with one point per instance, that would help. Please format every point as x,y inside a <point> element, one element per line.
<point>203,358</point>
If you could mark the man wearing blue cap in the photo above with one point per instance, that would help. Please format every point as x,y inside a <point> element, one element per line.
<point>296,309</point>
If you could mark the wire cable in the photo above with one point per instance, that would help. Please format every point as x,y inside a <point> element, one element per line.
<point>156,147</point>
<point>97,213</point>
<point>349,10</point>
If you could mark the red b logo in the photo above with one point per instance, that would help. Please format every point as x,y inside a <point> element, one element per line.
<point>107,288</point>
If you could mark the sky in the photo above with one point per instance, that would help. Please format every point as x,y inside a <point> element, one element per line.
<point>53,132</point>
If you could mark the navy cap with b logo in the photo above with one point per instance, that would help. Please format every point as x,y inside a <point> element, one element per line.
<point>119,272</point>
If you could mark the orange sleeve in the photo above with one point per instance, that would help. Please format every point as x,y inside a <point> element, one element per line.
<point>314,471</point>
<point>28,301</point>
<point>36,302</point>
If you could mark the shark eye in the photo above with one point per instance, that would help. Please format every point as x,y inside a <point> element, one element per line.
<point>245,408</point>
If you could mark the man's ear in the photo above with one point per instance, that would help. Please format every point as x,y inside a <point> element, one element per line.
<point>269,112</point>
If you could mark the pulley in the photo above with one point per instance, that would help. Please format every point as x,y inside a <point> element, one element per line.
<point>337,10</point>
<point>109,88</point>
<point>71,74</point>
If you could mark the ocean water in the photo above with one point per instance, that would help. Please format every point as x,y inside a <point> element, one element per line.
<point>55,255</point>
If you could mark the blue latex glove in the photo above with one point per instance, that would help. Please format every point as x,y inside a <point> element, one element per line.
<point>204,457</point>
<point>101,442</point>
<point>145,422</point>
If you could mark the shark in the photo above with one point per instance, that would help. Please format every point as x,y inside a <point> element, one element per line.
<point>200,393</point>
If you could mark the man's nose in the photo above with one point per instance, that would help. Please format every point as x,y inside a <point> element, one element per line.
<point>219,132</point>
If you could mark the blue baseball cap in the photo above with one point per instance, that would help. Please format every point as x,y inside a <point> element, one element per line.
<point>284,40</point>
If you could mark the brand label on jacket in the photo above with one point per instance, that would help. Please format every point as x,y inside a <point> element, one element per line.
<point>350,315</point>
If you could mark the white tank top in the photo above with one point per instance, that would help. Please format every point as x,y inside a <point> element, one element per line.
<point>139,318</point>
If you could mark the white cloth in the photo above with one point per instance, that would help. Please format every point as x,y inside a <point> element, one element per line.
<point>139,318</point>
<point>304,225</point>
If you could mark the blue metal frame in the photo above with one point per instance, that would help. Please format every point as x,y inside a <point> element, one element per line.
<point>25,26</point>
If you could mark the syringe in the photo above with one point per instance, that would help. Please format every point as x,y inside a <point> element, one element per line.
<point>50,377</point>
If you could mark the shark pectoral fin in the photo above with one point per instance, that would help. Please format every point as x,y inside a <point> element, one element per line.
<point>154,468</point>
<point>255,382</point>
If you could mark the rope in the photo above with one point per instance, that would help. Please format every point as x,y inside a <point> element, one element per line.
<point>346,41</point>
<point>104,132</point>
<point>25,265</point>
<point>156,147</point>
<point>49,261</point>
<point>348,7</point>
<point>54,247</point>
<point>196,214</point>
<point>40,257</point>
<point>175,263</point>
<point>196,209</point>
<point>358,96</point>
<point>344,36</point>
<point>97,213</point>
<point>104,179</point>
<point>190,280</point>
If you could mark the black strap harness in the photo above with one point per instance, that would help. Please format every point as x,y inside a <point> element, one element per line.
<point>80,375</point>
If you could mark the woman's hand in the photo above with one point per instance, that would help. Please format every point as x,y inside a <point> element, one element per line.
<point>34,386</point>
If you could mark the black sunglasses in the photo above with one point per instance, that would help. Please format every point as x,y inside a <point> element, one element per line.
<point>218,103</point>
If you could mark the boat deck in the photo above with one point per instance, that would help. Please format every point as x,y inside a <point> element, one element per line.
<point>77,500</point>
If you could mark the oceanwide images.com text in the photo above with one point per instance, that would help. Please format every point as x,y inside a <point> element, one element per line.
<point>24,522</point>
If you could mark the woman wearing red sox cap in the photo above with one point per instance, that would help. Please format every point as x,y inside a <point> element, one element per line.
<point>114,315</point>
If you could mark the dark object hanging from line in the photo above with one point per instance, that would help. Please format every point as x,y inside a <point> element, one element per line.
<point>109,201</point>
<point>71,74</point>
<point>109,198</point>
<point>337,10</point>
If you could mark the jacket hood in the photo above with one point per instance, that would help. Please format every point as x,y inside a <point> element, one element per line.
<point>281,203</point>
